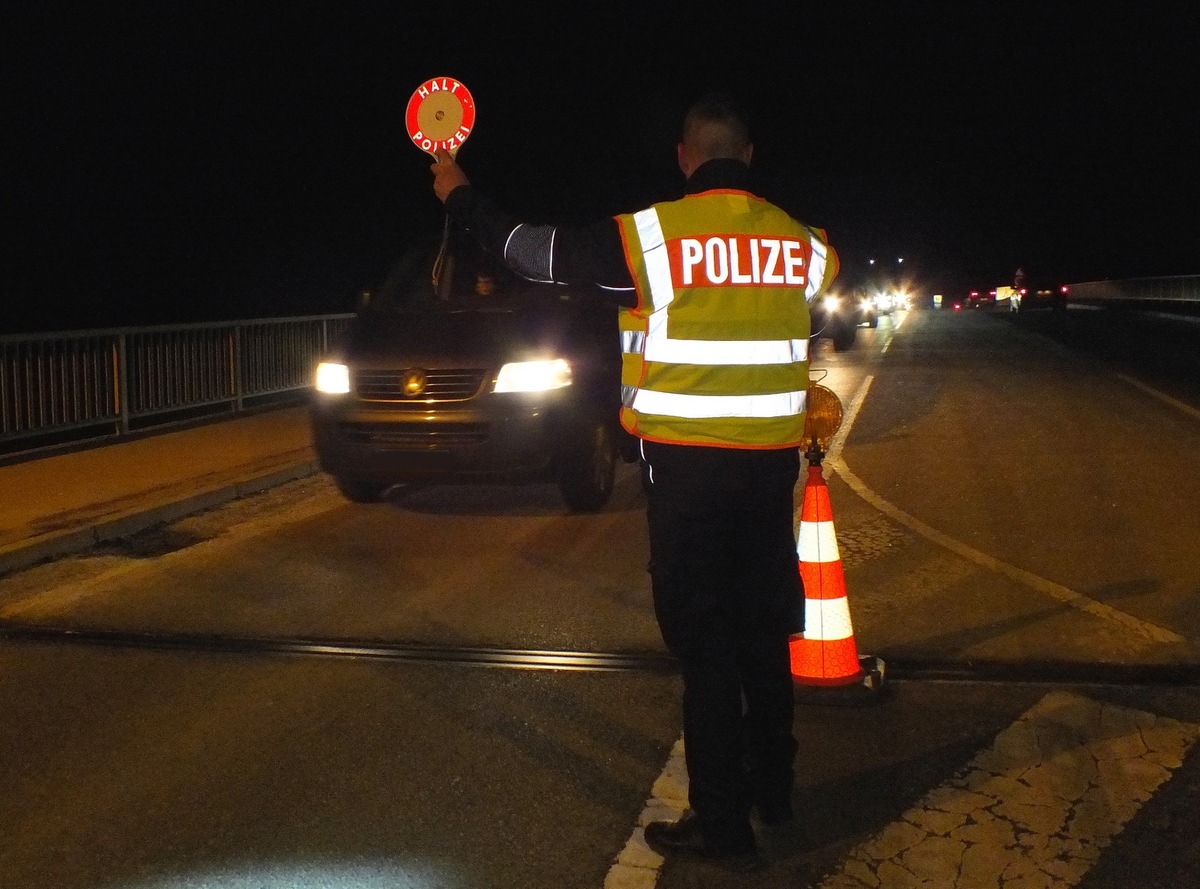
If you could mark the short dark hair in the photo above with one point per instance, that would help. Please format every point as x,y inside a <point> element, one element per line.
<point>715,126</point>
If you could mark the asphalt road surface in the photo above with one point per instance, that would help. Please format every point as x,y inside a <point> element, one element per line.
<point>464,687</point>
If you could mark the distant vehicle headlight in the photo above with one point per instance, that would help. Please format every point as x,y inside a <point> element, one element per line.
<point>332,378</point>
<point>533,376</point>
<point>831,303</point>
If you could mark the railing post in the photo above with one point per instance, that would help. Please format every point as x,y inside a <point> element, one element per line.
<point>122,370</point>
<point>238,368</point>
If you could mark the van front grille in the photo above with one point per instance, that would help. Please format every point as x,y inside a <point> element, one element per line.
<point>434,385</point>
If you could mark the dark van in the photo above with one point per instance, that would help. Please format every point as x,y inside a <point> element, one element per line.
<point>457,370</point>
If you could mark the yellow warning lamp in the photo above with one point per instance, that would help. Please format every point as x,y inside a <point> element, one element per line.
<point>822,420</point>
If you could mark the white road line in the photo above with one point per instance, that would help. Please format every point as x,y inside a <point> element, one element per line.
<point>896,322</point>
<point>638,865</point>
<point>1028,578</point>
<point>1162,396</point>
<point>851,412</point>
<point>1036,808</point>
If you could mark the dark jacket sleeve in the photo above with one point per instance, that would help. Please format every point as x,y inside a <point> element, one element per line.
<point>590,255</point>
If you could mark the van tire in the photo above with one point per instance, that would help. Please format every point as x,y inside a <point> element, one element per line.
<point>359,490</point>
<point>844,336</point>
<point>587,469</point>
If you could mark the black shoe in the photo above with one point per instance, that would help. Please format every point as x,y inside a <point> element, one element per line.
<point>684,837</point>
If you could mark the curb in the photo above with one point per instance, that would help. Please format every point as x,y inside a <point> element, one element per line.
<point>56,544</point>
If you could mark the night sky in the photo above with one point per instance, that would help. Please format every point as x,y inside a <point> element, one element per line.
<point>174,162</point>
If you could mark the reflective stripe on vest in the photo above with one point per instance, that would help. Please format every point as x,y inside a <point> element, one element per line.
<point>697,407</point>
<point>816,268</point>
<point>713,351</point>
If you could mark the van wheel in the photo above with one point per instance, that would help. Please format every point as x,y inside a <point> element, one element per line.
<point>587,470</point>
<point>843,337</point>
<point>359,490</point>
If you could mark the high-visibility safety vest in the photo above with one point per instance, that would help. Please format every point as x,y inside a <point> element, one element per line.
<point>716,350</point>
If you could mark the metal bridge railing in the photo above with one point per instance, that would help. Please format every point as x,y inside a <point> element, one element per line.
<point>66,386</point>
<point>1178,292</point>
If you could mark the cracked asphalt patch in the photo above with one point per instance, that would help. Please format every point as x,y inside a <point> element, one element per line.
<point>1036,808</point>
<point>870,539</point>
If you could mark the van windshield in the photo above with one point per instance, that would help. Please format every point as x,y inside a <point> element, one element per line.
<point>460,276</point>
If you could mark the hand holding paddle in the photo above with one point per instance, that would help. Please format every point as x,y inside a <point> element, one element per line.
<point>447,175</point>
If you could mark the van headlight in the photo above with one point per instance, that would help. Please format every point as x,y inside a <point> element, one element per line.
<point>332,378</point>
<point>533,376</point>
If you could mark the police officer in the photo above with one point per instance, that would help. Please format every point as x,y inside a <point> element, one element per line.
<point>714,290</point>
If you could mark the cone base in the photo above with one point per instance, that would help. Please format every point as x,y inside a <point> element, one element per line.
<point>824,662</point>
<point>828,682</point>
<point>867,688</point>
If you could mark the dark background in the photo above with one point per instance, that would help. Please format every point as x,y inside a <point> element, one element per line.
<point>177,162</point>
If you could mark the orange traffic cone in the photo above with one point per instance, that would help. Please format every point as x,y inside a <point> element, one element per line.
<point>825,653</point>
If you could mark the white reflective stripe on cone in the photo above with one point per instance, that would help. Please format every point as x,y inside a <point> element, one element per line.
<point>818,542</point>
<point>827,620</point>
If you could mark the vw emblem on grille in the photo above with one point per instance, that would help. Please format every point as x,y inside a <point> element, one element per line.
<point>413,382</point>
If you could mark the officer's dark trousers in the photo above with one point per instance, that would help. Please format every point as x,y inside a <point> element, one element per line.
<point>727,596</point>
